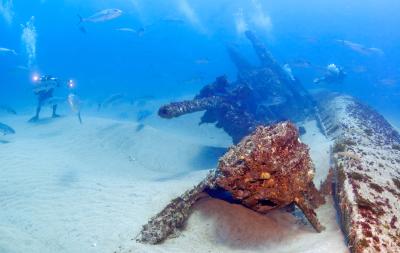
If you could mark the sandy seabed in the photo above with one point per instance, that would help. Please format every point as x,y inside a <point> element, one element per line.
<point>66,187</point>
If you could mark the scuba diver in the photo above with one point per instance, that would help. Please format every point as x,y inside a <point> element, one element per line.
<point>44,90</point>
<point>333,74</point>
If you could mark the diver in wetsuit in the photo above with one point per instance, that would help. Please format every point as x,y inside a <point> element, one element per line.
<point>333,74</point>
<point>44,91</point>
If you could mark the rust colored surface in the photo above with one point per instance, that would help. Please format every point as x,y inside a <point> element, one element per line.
<point>268,169</point>
<point>271,169</point>
<point>367,162</point>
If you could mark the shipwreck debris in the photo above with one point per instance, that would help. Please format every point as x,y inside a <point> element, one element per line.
<point>6,129</point>
<point>268,169</point>
<point>367,168</point>
<point>366,153</point>
<point>263,94</point>
<point>174,215</point>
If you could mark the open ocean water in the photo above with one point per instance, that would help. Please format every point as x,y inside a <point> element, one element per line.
<point>85,158</point>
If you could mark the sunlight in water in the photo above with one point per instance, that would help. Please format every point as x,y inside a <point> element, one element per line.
<point>259,18</point>
<point>28,38</point>
<point>6,11</point>
<point>240,22</point>
<point>191,15</point>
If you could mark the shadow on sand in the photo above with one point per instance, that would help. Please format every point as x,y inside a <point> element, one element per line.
<point>240,228</point>
<point>207,158</point>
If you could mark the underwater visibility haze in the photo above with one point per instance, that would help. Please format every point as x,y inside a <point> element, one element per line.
<point>202,126</point>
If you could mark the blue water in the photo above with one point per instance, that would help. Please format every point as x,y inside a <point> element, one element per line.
<point>181,49</point>
<point>162,62</point>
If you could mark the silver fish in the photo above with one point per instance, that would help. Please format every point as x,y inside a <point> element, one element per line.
<point>173,21</point>
<point>102,16</point>
<point>202,61</point>
<point>300,63</point>
<point>142,115</point>
<point>126,29</point>
<point>7,109</point>
<point>139,32</point>
<point>22,67</point>
<point>75,105</point>
<point>361,49</point>
<point>389,82</point>
<point>7,51</point>
<point>113,99</point>
<point>6,130</point>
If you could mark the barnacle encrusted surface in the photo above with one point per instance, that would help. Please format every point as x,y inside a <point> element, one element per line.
<point>367,173</point>
<point>271,169</point>
<point>174,215</point>
<point>268,169</point>
<point>261,95</point>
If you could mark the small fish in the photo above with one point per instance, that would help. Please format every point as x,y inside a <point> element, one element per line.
<point>141,103</point>
<point>359,69</point>
<point>126,29</point>
<point>389,82</point>
<point>7,109</point>
<point>140,31</point>
<point>142,100</point>
<point>311,39</point>
<point>194,80</point>
<point>146,97</point>
<point>4,50</point>
<point>114,98</point>
<point>361,49</point>
<point>75,105</point>
<point>175,21</point>
<point>142,115</point>
<point>102,16</point>
<point>300,63</point>
<point>140,127</point>
<point>22,67</point>
<point>376,50</point>
<point>82,29</point>
<point>6,130</point>
<point>202,61</point>
<point>288,71</point>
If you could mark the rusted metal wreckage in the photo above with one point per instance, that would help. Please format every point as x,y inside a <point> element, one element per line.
<point>261,95</point>
<point>270,168</point>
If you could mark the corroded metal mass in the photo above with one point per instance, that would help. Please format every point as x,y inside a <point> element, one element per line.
<point>271,169</point>
<point>268,169</point>
<point>366,157</point>
<point>263,94</point>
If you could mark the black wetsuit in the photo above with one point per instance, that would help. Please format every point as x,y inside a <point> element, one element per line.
<point>332,77</point>
<point>42,96</point>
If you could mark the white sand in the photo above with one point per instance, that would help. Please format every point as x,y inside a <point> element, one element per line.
<point>319,150</point>
<point>66,187</point>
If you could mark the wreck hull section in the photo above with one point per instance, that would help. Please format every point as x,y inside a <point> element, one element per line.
<point>366,156</point>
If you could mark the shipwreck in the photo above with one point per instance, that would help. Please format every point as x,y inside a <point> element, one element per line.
<point>270,168</point>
